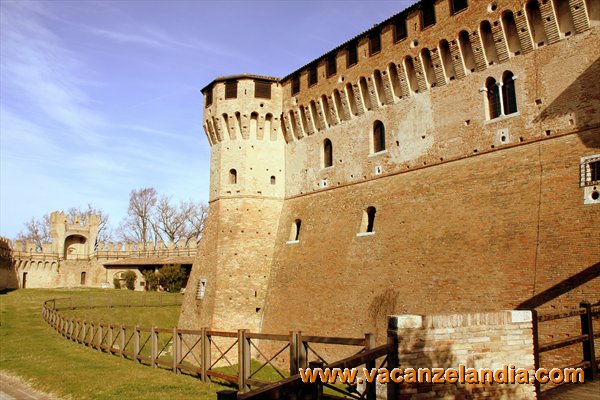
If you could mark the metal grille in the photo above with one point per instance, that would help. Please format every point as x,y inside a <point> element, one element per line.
<point>590,170</point>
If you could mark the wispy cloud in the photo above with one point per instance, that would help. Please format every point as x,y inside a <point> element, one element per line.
<point>38,69</point>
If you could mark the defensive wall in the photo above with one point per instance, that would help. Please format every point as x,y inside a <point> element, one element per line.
<point>75,258</point>
<point>443,161</point>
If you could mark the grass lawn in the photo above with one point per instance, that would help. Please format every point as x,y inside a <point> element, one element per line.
<point>32,350</point>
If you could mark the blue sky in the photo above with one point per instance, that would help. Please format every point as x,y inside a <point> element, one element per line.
<point>99,98</point>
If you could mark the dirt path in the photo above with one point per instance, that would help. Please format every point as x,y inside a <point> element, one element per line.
<point>14,388</point>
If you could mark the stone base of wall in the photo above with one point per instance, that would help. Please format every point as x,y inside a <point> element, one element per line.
<point>480,340</point>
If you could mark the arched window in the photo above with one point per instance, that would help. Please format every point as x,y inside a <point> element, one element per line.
<point>327,153</point>
<point>536,24</point>
<point>493,98</point>
<point>367,224</point>
<point>466,51</point>
<point>378,137</point>
<point>485,31</point>
<point>509,97</point>
<point>82,278</point>
<point>295,231</point>
<point>232,176</point>
<point>511,33</point>
<point>273,180</point>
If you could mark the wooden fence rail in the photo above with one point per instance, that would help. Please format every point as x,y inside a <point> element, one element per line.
<point>589,362</point>
<point>234,357</point>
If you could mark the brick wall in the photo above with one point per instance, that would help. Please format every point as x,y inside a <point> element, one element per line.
<point>477,340</point>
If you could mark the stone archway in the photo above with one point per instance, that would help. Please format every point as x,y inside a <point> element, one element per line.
<point>75,247</point>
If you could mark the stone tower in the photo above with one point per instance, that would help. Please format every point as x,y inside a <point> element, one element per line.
<point>247,187</point>
<point>73,240</point>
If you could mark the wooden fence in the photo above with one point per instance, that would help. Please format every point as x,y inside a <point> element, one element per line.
<point>234,357</point>
<point>585,337</point>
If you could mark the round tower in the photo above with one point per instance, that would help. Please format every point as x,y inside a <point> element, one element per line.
<point>229,279</point>
<point>241,121</point>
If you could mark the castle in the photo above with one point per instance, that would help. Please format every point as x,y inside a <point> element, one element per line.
<point>446,160</point>
<point>75,257</point>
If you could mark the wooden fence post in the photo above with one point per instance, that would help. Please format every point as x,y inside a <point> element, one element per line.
<point>84,333</point>
<point>302,352</point>
<point>371,388</point>
<point>205,354</point>
<point>153,346</point>
<point>100,336</point>
<point>392,362</point>
<point>589,352</point>
<point>136,343</point>
<point>175,351</point>
<point>317,387</point>
<point>243,360</point>
<point>110,337</point>
<point>123,341</point>
<point>293,353</point>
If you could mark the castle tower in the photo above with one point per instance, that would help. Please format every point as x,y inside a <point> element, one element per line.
<point>229,279</point>
<point>73,239</point>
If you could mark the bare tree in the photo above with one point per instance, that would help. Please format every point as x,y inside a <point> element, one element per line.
<point>138,225</point>
<point>169,220</point>
<point>196,219</point>
<point>82,215</point>
<point>181,223</point>
<point>36,231</point>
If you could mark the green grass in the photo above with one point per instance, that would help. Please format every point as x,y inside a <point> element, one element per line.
<point>32,350</point>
